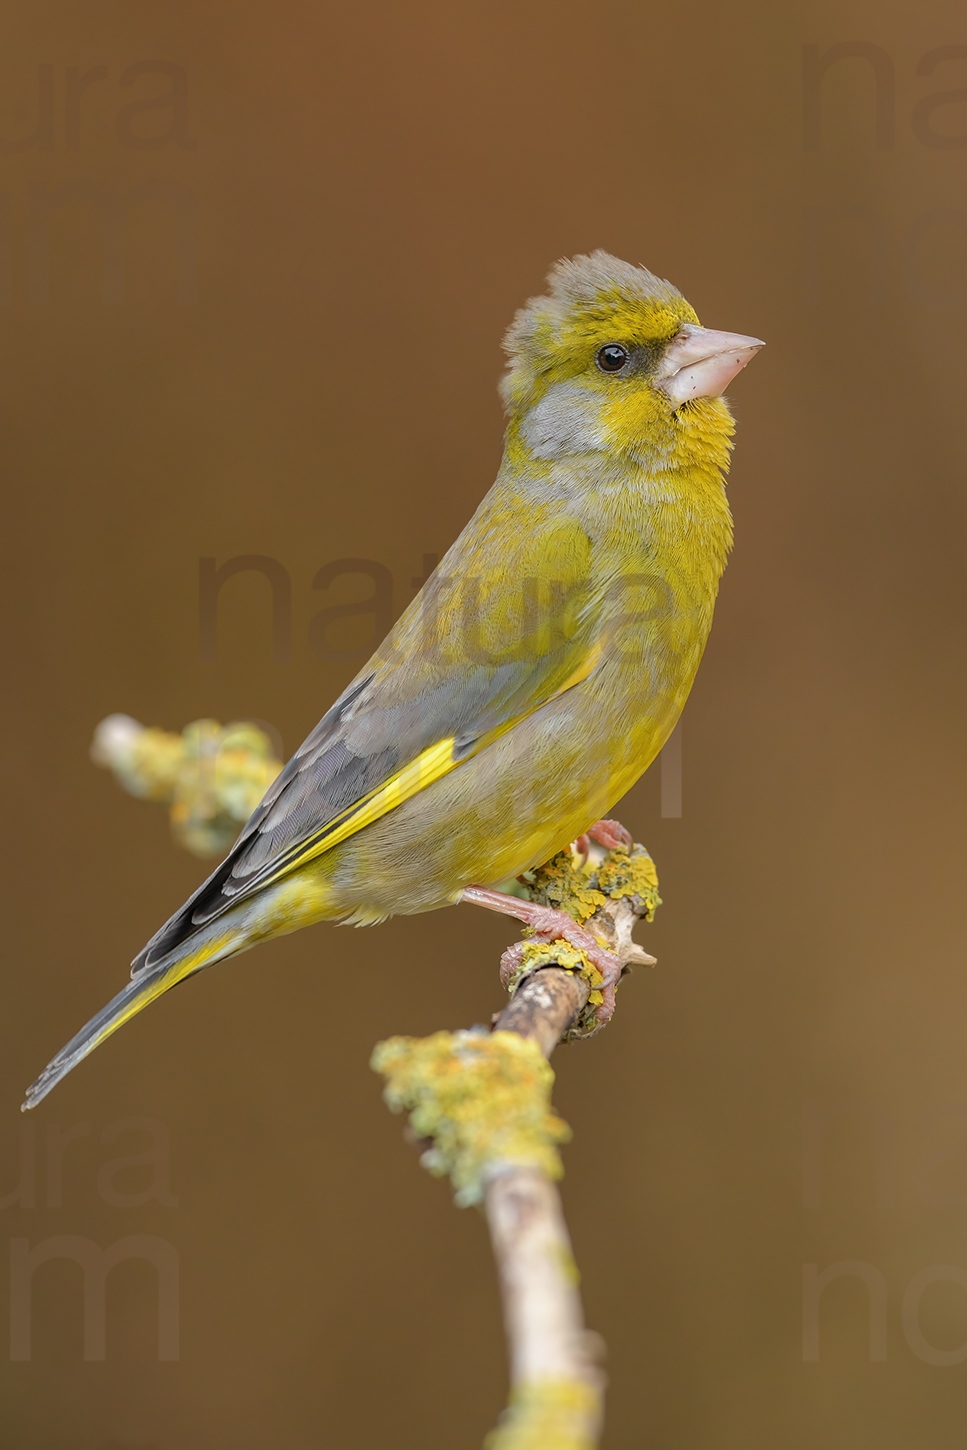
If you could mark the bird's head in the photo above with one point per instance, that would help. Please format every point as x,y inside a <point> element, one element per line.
<point>614,360</point>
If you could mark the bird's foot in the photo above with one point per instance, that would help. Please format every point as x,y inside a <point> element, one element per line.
<point>548,925</point>
<point>612,835</point>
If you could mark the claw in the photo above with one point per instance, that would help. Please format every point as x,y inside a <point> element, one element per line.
<point>612,835</point>
<point>511,963</point>
<point>549,925</point>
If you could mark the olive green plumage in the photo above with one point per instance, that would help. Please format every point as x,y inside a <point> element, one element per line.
<point>535,677</point>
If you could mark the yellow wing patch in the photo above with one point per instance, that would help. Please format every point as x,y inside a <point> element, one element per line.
<point>582,671</point>
<point>429,766</point>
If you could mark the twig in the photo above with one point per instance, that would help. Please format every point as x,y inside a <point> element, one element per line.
<point>557,1385</point>
<point>481,1108</point>
<point>210,776</point>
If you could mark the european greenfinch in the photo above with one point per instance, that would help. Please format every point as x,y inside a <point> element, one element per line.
<point>536,675</point>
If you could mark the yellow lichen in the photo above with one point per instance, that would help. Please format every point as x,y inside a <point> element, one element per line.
<point>582,888</point>
<point>482,1099</point>
<point>537,954</point>
<point>211,776</point>
<point>630,874</point>
<point>548,1415</point>
<point>224,774</point>
<point>565,886</point>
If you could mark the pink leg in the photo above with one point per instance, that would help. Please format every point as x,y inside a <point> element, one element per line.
<point>550,925</point>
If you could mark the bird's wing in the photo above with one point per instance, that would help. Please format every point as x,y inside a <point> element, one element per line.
<point>478,650</point>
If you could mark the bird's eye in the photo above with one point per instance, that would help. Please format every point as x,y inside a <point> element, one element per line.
<point>612,357</point>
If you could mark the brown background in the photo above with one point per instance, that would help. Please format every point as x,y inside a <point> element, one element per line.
<point>376,188</point>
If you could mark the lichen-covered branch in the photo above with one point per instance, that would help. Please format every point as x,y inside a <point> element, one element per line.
<point>210,776</point>
<point>480,1100</point>
<point>557,1384</point>
<point>481,1104</point>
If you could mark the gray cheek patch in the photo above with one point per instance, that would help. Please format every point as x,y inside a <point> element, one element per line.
<point>563,422</point>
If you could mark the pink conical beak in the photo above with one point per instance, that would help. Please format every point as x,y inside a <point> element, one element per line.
<point>700,363</point>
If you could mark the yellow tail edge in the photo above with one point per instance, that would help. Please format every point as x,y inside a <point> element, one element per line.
<point>136,995</point>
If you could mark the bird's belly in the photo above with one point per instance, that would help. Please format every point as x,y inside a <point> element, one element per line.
<point>522,798</point>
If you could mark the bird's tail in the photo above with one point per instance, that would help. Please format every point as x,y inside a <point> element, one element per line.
<point>141,990</point>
